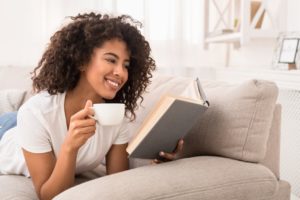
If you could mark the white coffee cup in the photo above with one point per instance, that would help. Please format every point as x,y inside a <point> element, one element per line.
<point>109,114</point>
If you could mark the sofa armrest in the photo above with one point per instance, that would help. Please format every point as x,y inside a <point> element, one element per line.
<point>272,157</point>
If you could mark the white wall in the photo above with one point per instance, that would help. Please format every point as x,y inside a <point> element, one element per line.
<point>259,53</point>
<point>293,15</point>
<point>20,42</point>
<point>26,27</point>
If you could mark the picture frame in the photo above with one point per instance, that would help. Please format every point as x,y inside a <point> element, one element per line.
<point>288,52</point>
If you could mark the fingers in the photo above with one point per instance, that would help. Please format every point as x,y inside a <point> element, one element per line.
<point>155,161</point>
<point>88,104</point>
<point>85,112</point>
<point>167,156</point>
<point>171,156</point>
<point>82,123</point>
<point>88,131</point>
<point>179,147</point>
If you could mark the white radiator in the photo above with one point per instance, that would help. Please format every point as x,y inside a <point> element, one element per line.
<point>290,138</point>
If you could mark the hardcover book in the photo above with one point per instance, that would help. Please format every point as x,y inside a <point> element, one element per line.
<point>168,122</point>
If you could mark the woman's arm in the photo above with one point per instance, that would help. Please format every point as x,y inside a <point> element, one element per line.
<point>50,176</point>
<point>117,159</point>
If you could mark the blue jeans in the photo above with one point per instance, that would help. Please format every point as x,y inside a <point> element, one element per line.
<point>7,121</point>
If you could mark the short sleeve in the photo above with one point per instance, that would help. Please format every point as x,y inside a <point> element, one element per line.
<point>32,134</point>
<point>123,135</point>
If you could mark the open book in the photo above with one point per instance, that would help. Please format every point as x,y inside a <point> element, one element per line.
<point>170,120</point>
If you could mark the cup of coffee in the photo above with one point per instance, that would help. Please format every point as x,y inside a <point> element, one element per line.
<point>109,114</point>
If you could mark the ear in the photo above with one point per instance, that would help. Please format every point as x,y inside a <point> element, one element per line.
<point>82,68</point>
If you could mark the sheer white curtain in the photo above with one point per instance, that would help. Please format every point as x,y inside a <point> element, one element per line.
<point>173,27</point>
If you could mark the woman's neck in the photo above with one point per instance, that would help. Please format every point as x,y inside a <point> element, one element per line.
<point>76,98</point>
<point>83,92</point>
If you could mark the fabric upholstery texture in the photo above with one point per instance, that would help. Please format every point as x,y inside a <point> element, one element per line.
<point>237,123</point>
<point>11,99</point>
<point>272,158</point>
<point>16,188</point>
<point>191,178</point>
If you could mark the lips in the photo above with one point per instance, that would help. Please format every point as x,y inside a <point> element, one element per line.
<point>113,84</point>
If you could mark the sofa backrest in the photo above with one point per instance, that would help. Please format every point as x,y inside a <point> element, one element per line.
<point>236,125</point>
<point>272,157</point>
<point>238,122</point>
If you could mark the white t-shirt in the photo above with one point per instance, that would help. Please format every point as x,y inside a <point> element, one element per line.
<point>41,127</point>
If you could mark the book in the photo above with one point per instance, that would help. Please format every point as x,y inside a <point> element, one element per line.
<point>169,121</point>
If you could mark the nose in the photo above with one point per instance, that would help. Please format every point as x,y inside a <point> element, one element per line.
<point>119,70</point>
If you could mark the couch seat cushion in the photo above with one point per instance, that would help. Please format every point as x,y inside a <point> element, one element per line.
<point>16,188</point>
<point>198,178</point>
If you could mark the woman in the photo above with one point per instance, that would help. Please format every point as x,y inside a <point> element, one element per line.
<point>94,59</point>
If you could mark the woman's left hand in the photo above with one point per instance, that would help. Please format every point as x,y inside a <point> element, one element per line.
<point>165,157</point>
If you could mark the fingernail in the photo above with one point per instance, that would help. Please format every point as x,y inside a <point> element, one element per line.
<point>161,153</point>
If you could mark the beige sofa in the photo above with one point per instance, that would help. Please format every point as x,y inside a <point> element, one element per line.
<point>231,153</point>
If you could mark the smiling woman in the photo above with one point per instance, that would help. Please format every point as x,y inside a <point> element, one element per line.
<point>93,59</point>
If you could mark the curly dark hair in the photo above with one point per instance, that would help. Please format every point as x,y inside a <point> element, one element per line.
<point>71,48</point>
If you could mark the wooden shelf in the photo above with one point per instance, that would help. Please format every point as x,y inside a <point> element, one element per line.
<point>237,36</point>
<point>241,10</point>
<point>228,37</point>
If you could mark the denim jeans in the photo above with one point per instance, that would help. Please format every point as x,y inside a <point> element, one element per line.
<point>7,121</point>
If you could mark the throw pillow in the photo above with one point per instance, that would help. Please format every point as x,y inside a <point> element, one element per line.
<point>237,123</point>
<point>11,99</point>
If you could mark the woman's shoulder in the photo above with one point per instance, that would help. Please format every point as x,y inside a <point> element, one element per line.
<point>43,101</point>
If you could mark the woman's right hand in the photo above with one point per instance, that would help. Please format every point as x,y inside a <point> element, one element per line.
<point>81,128</point>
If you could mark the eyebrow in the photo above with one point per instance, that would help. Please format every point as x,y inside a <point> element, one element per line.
<point>115,55</point>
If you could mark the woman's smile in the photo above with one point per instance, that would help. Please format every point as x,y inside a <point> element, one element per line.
<point>112,84</point>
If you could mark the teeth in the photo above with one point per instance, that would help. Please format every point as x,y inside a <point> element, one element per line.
<point>113,83</point>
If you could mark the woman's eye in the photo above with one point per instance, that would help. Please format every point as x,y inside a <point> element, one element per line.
<point>126,66</point>
<point>111,60</point>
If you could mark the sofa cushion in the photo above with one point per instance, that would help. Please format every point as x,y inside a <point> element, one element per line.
<point>191,178</point>
<point>238,122</point>
<point>16,188</point>
<point>11,99</point>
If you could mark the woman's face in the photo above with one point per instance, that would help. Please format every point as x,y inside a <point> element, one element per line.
<point>107,70</point>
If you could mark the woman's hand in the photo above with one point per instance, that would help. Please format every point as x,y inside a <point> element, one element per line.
<point>165,157</point>
<point>81,128</point>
